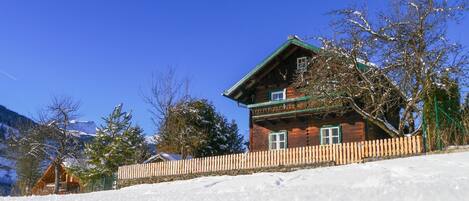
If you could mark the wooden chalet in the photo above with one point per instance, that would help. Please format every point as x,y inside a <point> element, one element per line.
<point>281,117</point>
<point>68,182</point>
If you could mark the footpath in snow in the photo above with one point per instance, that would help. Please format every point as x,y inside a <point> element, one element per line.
<point>435,177</point>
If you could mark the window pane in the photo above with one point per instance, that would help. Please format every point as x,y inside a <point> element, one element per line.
<point>325,132</point>
<point>335,140</point>
<point>277,95</point>
<point>282,137</point>
<point>273,145</point>
<point>326,141</point>
<point>273,137</point>
<point>335,132</point>
<point>282,145</point>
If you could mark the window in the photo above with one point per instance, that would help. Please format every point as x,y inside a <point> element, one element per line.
<point>330,135</point>
<point>302,64</point>
<point>278,95</point>
<point>278,140</point>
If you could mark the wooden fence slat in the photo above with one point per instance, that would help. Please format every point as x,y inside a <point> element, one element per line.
<point>360,152</point>
<point>419,148</point>
<point>405,145</point>
<point>341,154</point>
<point>386,147</point>
<point>354,152</point>
<point>380,148</point>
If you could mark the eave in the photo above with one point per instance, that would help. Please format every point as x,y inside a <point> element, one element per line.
<point>230,93</point>
<point>272,103</point>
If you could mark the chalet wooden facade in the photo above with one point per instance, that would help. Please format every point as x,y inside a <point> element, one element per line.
<point>281,117</point>
<point>68,182</point>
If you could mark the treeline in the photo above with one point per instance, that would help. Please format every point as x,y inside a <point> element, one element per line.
<point>184,125</point>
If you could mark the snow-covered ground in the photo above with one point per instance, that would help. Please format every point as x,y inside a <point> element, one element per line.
<point>434,177</point>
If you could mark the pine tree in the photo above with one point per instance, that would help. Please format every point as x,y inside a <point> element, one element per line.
<point>117,143</point>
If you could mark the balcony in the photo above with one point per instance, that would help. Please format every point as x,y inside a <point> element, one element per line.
<point>288,108</point>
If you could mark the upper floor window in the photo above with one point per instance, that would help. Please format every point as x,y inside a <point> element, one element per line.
<point>278,95</point>
<point>330,135</point>
<point>302,64</point>
<point>278,140</point>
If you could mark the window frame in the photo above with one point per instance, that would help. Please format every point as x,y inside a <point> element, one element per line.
<point>304,60</point>
<point>283,92</point>
<point>278,141</point>
<point>331,136</point>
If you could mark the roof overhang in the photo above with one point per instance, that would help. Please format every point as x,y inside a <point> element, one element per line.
<point>236,91</point>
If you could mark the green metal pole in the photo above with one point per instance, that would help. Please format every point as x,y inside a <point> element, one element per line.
<point>437,133</point>
<point>425,145</point>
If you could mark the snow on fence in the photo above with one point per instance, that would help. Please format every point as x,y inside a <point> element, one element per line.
<point>344,153</point>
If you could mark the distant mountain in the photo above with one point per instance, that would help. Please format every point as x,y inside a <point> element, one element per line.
<point>10,123</point>
<point>85,127</point>
<point>13,119</point>
<point>86,130</point>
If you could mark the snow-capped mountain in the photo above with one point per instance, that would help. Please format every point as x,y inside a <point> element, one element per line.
<point>85,130</point>
<point>84,127</point>
<point>10,124</point>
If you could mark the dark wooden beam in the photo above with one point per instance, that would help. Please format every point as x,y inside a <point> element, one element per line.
<point>272,121</point>
<point>277,62</point>
<point>285,120</point>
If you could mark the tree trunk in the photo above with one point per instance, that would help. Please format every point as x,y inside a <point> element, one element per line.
<point>57,177</point>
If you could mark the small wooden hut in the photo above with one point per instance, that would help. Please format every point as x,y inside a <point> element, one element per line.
<point>68,182</point>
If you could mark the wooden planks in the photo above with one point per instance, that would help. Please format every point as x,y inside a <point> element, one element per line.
<point>344,153</point>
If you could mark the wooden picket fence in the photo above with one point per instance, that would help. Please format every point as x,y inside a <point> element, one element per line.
<point>344,153</point>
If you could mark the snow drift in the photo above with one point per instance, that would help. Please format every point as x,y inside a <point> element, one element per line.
<point>434,177</point>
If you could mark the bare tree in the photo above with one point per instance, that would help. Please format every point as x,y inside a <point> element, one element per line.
<point>388,61</point>
<point>166,91</point>
<point>51,137</point>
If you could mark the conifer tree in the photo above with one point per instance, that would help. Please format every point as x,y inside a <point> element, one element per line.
<point>117,143</point>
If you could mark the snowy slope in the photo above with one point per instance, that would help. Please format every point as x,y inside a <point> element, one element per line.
<point>425,178</point>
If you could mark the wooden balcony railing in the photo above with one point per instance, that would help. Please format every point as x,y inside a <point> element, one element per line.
<point>302,104</point>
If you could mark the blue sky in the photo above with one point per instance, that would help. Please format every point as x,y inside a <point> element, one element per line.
<point>104,52</point>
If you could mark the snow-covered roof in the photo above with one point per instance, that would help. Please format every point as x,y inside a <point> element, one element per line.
<point>165,157</point>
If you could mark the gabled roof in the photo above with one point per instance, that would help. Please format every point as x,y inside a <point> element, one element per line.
<point>230,93</point>
<point>49,177</point>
